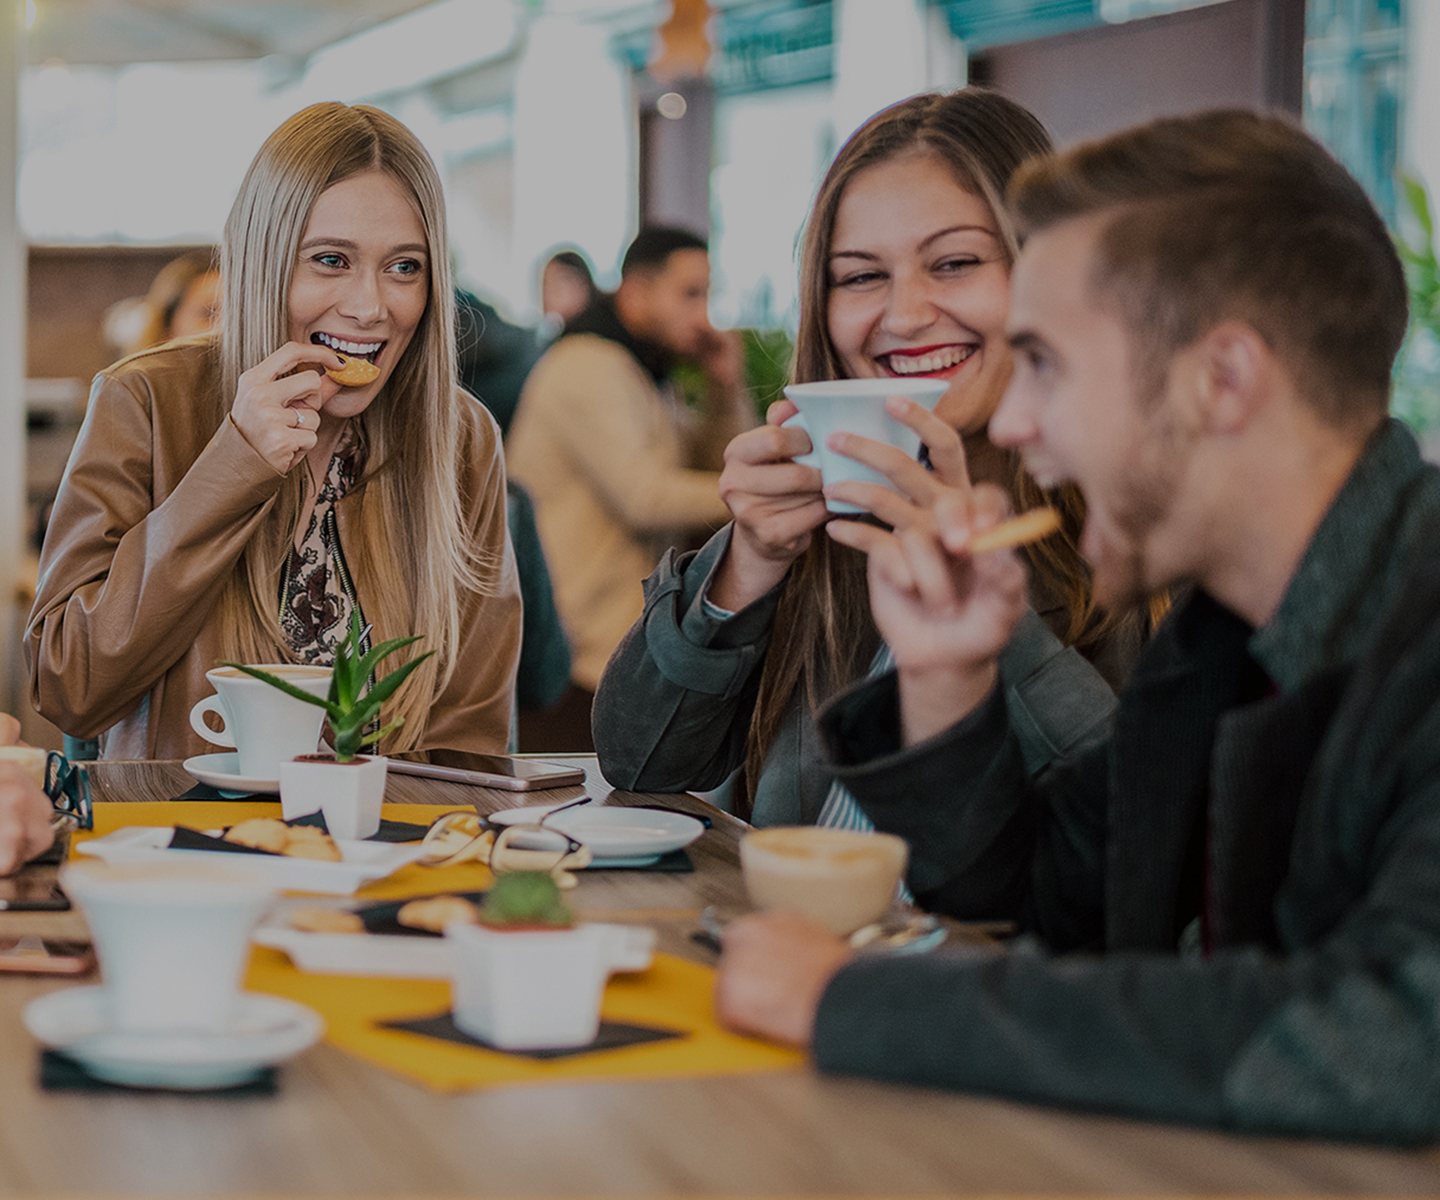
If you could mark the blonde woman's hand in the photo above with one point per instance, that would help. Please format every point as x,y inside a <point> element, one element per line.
<point>776,503</point>
<point>277,405</point>
<point>24,819</point>
<point>915,488</point>
<point>946,614</point>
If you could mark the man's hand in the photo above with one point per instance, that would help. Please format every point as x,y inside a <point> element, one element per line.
<point>25,815</point>
<point>775,968</point>
<point>9,730</point>
<point>945,613</point>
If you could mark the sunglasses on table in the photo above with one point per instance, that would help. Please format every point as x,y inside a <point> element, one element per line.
<point>463,837</point>
<point>68,786</point>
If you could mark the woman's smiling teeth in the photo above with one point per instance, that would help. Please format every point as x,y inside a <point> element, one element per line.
<point>367,350</point>
<point>943,358</point>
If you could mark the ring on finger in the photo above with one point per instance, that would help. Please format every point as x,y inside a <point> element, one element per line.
<point>299,422</point>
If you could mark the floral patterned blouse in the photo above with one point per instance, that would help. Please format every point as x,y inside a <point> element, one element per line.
<point>317,595</point>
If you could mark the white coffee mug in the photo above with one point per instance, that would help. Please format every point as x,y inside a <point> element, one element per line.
<point>856,406</point>
<point>266,726</point>
<point>172,941</point>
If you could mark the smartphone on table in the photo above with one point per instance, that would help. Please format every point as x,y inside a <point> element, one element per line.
<point>492,770</point>
<point>44,956</point>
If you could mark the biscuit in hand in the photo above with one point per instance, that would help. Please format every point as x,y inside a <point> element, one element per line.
<point>357,372</point>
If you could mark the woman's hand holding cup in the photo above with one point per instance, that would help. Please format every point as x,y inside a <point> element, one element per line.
<point>277,405</point>
<point>915,488</point>
<point>776,503</point>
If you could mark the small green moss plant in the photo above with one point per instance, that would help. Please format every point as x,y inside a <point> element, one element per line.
<point>351,707</point>
<point>525,898</point>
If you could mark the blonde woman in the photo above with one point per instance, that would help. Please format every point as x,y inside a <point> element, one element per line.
<point>905,271</point>
<point>228,500</point>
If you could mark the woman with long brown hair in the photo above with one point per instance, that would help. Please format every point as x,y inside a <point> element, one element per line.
<point>227,499</point>
<point>904,272</point>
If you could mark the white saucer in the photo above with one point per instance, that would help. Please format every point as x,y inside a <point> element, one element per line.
<point>222,772</point>
<point>610,831</point>
<point>267,1030</point>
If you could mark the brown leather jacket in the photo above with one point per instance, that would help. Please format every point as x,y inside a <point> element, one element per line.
<point>151,518</point>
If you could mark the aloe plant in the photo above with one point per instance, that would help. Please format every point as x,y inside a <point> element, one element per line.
<point>351,706</point>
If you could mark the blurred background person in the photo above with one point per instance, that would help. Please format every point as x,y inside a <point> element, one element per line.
<point>618,467</point>
<point>183,300</point>
<point>567,289</point>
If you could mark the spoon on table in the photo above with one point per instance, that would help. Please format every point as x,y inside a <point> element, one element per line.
<point>901,933</point>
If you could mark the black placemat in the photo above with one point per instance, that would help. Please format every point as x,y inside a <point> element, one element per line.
<point>192,839</point>
<point>61,1073</point>
<point>613,1035</point>
<point>379,917</point>
<point>389,831</point>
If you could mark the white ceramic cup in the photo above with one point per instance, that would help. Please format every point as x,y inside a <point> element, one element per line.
<point>530,990</point>
<point>172,941</point>
<point>856,406</point>
<point>842,878</point>
<point>265,726</point>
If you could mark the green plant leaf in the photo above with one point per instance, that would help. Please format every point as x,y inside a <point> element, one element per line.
<point>374,739</point>
<point>387,687</point>
<point>1418,201</point>
<point>283,685</point>
<point>383,650</point>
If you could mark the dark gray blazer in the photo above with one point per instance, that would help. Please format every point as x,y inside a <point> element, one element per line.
<point>1277,790</point>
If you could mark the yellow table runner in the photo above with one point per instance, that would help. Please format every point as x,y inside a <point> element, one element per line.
<point>214,814</point>
<point>672,994</point>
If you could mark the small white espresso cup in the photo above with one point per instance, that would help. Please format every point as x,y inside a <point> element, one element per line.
<point>856,406</point>
<point>172,941</point>
<point>266,727</point>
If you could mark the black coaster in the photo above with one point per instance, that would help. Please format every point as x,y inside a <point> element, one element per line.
<point>61,1073</point>
<point>613,1035</point>
<point>677,862</point>
<point>203,791</point>
<point>380,916</point>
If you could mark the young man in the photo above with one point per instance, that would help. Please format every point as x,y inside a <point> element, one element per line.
<point>617,467</point>
<point>1237,896</point>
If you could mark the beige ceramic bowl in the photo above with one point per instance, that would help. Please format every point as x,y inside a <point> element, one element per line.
<point>842,878</point>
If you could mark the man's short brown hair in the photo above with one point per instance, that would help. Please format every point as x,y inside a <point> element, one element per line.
<point>1233,215</point>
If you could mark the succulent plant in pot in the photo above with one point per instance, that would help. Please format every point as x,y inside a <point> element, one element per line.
<point>347,787</point>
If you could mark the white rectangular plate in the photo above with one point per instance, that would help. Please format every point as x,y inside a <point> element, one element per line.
<point>404,957</point>
<point>360,862</point>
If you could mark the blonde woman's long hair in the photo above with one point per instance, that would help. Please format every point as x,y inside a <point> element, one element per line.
<point>412,554</point>
<point>824,636</point>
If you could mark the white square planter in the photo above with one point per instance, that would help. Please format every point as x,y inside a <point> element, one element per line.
<point>348,794</point>
<point>530,990</point>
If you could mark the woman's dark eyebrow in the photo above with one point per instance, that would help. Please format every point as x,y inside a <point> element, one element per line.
<point>934,237</point>
<point>345,244</point>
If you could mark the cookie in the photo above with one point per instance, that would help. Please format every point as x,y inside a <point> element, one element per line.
<point>435,912</point>
<point>260,833</point>
<point>357,372</point>
<point>326,920</point>
<point>305,841</point>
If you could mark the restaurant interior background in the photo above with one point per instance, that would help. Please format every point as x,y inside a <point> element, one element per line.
<point>130,123</point>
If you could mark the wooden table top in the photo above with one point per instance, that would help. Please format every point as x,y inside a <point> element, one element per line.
<point>341,1127</point>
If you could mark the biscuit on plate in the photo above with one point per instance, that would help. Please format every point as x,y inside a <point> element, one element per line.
<point>260,833</point>
<point>305,841</point>
<point>326,920</point>
<point>435,912</point>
